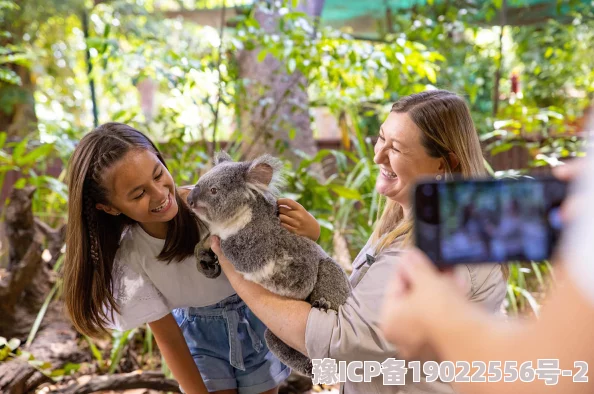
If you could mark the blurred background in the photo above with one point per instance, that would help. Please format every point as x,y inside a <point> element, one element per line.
<point>307,80</point>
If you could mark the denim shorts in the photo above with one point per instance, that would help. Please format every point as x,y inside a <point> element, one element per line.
<point>227,343</point>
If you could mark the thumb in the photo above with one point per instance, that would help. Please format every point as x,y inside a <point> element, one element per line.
<point>215,244</point>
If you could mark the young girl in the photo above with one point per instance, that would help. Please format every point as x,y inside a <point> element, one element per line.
<point>130,260</point>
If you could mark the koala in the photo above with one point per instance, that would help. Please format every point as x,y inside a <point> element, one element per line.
<point>237,202</point>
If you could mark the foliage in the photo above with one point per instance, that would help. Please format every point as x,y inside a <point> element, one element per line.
<point>470,51</point>
<point>11,349</point>
<point>9,53</point>
<point>30,159</point>
<point>191,71</point>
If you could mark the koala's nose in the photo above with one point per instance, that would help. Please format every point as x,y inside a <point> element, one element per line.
<point>193,195</point>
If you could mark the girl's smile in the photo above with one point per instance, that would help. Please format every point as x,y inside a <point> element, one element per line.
<point>164,207</point>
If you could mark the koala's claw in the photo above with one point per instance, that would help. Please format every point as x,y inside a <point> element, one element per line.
<point>210,271</point>
<point>321,304</point>
<point>208,263</point>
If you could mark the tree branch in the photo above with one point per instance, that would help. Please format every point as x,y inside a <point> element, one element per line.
<point>219,60</point>
<point>19,278</point>
<point>134,380</point>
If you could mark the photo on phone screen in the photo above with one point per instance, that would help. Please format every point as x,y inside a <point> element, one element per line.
<point>488,220</point>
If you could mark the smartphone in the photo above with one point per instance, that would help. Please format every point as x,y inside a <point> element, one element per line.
<point>488,220</point>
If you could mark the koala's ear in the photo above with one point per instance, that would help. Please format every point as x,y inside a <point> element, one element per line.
<point>264,173</point>
<point>260,173</point>
<point>221,157</point>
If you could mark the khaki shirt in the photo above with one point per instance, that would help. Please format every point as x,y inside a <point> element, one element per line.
<point>352,333</point>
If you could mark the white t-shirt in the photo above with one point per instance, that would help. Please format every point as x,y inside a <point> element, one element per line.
<point>578,242</point>
<point>146,289</point>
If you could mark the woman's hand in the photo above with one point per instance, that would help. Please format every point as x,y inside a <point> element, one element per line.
<point>297,220</point>
<point>569,173</point>
<point>419,304</point>
<point>228,268</point>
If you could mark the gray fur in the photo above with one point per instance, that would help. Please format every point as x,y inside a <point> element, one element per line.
<point>244,213</point>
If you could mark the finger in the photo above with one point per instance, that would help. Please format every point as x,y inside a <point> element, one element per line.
<point>289,220</point>
<point>295,214</point>
<point>215,245</point>
<point>571,207</point>
<point>290,203</point>
<point>569,171</point>
<point>285,210</point>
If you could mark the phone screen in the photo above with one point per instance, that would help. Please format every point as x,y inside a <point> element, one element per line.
<point>488,220</point>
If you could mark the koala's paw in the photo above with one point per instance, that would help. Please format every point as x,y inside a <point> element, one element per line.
<point>321,304</point>
<point>208,263</point>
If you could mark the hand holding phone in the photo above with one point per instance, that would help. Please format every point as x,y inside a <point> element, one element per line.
<point>488,220</point>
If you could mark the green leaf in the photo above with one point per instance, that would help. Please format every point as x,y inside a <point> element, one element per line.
<point>549,52</point>
<point>55,185</point>
<point>26,356</point>
<point>120,340</point>
<point>41,152</point>
<point>40,364</point>
<point>95,351</point>
<point>14,343</point>
<point>19,149</point>
<point>21,183</point>
<point>431,76</point>
<point>2,139</point>
<point>4,353</point>
<point>148,341</point>
<point>8,5</point>
<point>502,148</point>
<point>41,313</point>
<point>10,77</point>
<point>70,368</point>
<point>345,192</point>
<point>494,133</point>
<point>326,224</point>
<point>262,55</point>
<point>56,373</point>
<point>292,65</point>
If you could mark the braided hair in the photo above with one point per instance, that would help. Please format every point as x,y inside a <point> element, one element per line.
<point>93,236</point>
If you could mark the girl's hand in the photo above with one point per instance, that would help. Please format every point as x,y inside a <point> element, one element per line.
<point>297,220</point>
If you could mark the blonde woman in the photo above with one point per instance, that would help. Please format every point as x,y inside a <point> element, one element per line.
<point>426,134</point>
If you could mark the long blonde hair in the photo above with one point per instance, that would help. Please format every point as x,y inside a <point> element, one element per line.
<point>446,127</point>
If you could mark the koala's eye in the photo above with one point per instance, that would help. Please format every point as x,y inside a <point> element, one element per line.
<point>213,190</point>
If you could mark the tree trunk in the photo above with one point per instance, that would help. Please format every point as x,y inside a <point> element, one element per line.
<point>277,120</point>
<point>24,287</point>
<point>127,381</point>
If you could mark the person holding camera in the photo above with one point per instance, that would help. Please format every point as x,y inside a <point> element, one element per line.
<point>430,134</point>
<point>426,316</point>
